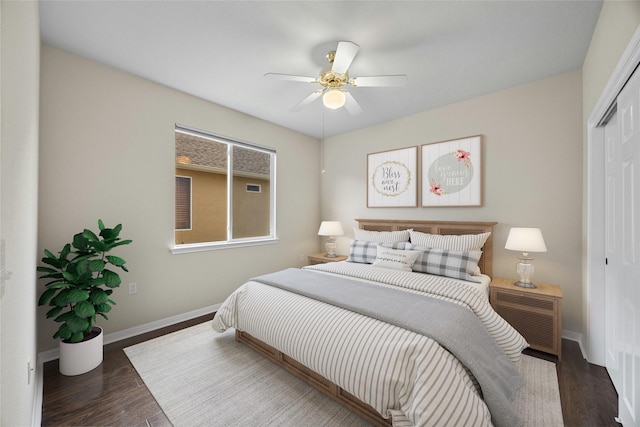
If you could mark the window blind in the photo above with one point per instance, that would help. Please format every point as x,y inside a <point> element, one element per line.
<point>183,203</point>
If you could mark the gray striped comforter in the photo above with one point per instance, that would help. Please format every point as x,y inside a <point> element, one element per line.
<point>403,375</point>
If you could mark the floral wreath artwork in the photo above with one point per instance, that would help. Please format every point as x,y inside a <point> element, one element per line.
<point>391,178</point>
<point>451,173</point>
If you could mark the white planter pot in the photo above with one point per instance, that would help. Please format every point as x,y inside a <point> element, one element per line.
<point>81,357</point>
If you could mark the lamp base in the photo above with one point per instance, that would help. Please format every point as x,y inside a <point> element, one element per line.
<point>525,269</point>
<point>331,247</point>
<point>524,284</point>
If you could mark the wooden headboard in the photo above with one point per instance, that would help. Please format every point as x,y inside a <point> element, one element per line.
<point>440,227</point>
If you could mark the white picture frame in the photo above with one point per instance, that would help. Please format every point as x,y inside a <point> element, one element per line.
<point>452,173</point>
<point>391,178</point>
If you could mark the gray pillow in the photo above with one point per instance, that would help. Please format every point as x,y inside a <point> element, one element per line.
<point>449,263</point>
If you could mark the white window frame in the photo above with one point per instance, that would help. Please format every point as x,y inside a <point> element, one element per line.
<point>231,242</point>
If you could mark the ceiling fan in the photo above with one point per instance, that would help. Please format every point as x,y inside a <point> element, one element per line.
<point>335,76</point>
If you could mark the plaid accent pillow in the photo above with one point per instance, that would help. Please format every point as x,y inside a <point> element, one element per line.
<point>443,262</point>
<point>365,252</point>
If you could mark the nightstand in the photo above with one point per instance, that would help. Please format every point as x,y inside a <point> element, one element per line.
<point>321,258</point>
<point>534,312</point>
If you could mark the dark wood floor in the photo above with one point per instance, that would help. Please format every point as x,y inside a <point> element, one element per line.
<point>113,394</point>
<point>586,391</point>
<point>110,395</point>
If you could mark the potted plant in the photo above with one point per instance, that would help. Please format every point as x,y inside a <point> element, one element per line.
<point>81,283</point>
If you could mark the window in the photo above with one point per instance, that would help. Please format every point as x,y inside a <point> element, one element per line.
<point>225,192</point>
<point>183,203</point>
<point>254,188</point>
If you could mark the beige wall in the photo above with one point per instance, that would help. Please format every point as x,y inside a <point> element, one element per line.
<point>617,22</point>
<point>20,35</point>
<point>107,151</point>
<point>532,146</point>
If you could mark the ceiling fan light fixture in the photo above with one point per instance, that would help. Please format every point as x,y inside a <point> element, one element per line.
<point>334,98</point>
<point>335,76</point>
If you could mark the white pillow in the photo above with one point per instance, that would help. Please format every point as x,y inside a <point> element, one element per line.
<point>381,236</point>
<point>464,242</point>
<point>396,259</point>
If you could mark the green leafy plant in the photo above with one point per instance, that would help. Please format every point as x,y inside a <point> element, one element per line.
<point>81,283</point>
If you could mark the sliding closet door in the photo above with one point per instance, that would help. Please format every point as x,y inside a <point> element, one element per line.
<point>623,255</point>
<point>613,246</point>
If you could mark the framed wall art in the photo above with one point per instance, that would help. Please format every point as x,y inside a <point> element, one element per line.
<point>391,178</point>
<point>452,173</point>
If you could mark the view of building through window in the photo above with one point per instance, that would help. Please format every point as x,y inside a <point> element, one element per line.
<point>215,192</point>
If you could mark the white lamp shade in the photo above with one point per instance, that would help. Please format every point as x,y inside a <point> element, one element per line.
<point>330,228</point>
<point>525,240</point>
<point>334,99</point>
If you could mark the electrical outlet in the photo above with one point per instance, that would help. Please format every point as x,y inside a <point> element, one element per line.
<point>133,288</point>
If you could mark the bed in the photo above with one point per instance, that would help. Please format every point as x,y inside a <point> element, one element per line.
<point>401,339</point>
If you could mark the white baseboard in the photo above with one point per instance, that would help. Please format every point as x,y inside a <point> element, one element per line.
<point>36,416</point>
<point>53,354</point>
<point>163,323</point>
<point>574,336</point>
<point>46,356</point>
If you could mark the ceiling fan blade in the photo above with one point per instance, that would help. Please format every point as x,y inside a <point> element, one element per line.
<point>345,53</point>
<point>379,81</point>
<point>291,77</point>
<point>352,105</point>
<point>308,100</point>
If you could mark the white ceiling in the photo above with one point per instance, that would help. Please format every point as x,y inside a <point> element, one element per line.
<point>220,50</point>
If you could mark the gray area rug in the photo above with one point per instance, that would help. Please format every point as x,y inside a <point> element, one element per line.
<point>202,378</point>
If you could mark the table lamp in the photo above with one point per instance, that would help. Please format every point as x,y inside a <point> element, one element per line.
<point>525,240</point>
<point>330,229</point>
